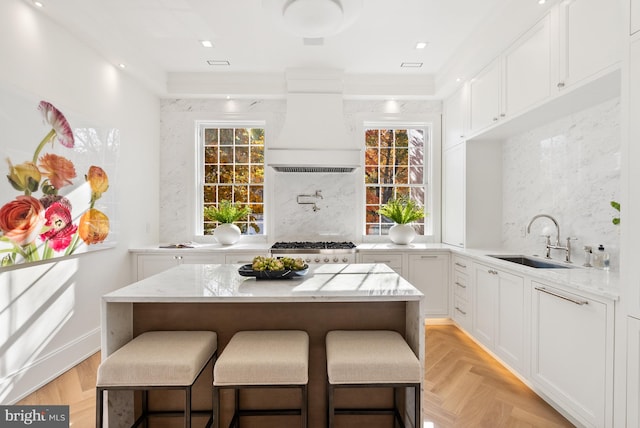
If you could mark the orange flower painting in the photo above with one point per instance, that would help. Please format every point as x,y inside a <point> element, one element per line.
<point>41,222</point>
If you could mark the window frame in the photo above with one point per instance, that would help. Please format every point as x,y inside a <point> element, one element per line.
<point>432,176</point>
<point>198,196</point>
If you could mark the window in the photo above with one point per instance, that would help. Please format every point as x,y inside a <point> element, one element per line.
<point>396,165</point>
<point>232,168</point>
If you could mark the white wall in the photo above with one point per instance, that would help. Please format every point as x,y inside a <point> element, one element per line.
<point>570,169</point>
<point>50,314</point>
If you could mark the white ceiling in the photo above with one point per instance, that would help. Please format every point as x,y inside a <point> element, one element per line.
<point>158,38</point>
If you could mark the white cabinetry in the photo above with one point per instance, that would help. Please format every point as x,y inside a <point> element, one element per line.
<point>529,65</point>
<point>485,92</point>
<point>393,260</point>
<point>635,16</point>
<point>590,39</point>
<point>151,264</point>
<point>572,352</point>
<point>462,289</point>
<point>429,273</point>
<point>242,258</point>
<point>499,314</point>
<point>453,195</point>
<point>455,112</point>
<point>633,372</point>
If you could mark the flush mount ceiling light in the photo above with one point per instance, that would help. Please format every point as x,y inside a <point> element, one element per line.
<point>313,19</point>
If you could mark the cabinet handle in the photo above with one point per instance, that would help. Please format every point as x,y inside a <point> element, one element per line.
<point>492,272</point>
<point>382,261</point>
<point>461,265</point>
<point>502,114</point>
<point>461,311</point>
<point>428,257</point>
<point>495,119</point>
<point>177,257</point>
<point>562,296</point>
<point>460,285</point>
<point>560,85</point>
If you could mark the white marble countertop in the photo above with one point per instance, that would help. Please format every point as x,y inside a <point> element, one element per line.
<point>595,281</point>
<point>592,280</point>
<point>223,283</point>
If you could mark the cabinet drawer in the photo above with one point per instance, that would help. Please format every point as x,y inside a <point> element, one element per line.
<point>461,264</point>
<point>460,282</point>
<point>460,312</point>
<point>242,258</point>
<point>394,261</point>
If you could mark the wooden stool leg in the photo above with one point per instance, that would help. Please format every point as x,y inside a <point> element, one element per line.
<point>187,407</point>
<point>216,407</point>
<point>99,410</point>
<point>303,409</point>
<point>145,408</point>
<point>330,409</point>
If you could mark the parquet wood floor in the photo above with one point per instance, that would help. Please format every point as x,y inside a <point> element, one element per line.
<point>464,388</point>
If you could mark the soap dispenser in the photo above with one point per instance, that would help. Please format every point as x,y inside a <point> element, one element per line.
<point>601,258</point>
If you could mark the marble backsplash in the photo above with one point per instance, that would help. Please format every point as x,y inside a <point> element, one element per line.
<point>569,169</point>
<point>338,215</point>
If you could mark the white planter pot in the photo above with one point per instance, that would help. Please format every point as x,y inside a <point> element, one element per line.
<point>401,234</point>
<point>227,233</point>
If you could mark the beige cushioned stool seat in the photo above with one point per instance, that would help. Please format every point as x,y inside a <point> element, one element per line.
<point>159,358</point>
<point>268,357</point>
<point>370,357</point>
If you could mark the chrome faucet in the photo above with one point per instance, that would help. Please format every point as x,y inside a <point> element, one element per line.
<point>556,245</point>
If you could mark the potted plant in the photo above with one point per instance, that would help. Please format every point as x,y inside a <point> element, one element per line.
<point>402,211</point>
<point>226,214</point>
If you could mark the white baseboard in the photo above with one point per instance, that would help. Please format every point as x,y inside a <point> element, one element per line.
<point>43,370</point>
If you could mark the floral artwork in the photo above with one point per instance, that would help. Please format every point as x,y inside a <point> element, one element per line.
<point>46,218</point>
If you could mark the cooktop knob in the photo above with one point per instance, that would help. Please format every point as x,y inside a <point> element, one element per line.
<point>317,260</point>
<point>345,260</point>
<point>336,260</point>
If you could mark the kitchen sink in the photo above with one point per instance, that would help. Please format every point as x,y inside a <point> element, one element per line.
<point>533,262</point>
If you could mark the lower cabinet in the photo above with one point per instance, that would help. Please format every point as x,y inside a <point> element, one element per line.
<point>572,353</point>
<point>151,264</point>
<point>499,314</point>
<point>462,289</point>
<point>429,273</point>
<point>633,372</point>
<point>393,260</point>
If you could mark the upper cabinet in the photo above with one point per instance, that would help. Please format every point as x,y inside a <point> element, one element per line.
<point>485,91</point>
<point>456,113</point>
<point>529,68</point>
<point>590,40</point>
<point>635,16</point>
<point>576,44</point>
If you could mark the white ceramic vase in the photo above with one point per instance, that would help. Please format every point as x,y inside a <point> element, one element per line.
<point>227,233</point>
<point>402,234</point>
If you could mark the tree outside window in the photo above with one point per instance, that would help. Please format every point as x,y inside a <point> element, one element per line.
<point>233,169</point>
<point>394,166</point>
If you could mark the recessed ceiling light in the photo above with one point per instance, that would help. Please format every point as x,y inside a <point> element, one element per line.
<point>38,4</point>
<point>542,1</point>
<point>218,62</point>
<point>458,79</point>
<point>228,97</point>
<point>411,65</point>
<point>121,65</point>
<point>421,45</point>
<point>206,43</point>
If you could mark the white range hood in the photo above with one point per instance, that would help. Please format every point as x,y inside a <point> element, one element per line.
<point>314,137</point>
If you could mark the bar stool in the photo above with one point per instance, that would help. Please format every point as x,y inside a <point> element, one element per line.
<point>158,360</point>
<point>370,359</point>
<point>263,359</point>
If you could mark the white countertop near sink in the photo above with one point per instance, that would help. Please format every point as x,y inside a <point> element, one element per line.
<point>592,280</point>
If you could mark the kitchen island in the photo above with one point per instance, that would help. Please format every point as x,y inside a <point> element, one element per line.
<point>215,297</point>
